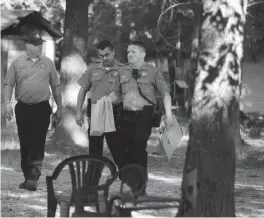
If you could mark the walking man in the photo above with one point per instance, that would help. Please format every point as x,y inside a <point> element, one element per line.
<point>140,81</point>
<point>100,79</point>
<point>32,74</point>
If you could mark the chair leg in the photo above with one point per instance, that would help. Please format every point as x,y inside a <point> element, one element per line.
<point>52,207</point>
<point>64,209</point>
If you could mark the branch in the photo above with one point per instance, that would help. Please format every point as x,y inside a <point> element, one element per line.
<point>166,11</point>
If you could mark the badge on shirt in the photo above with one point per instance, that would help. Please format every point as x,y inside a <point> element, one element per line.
<point>42,66</point>
<point>114,73</point>
<point>143,74</point>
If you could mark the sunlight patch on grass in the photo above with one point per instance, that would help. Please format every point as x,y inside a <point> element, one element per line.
<point>172,180</point>
<point>28,194</point>
<point>140,215</point>
<point>37,207</point>
<point>49,155</point>
<point>7,168</point>
<point>258,187</point>
<point>10,144</point>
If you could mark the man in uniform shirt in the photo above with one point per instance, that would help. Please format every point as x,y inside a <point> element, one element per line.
<point>100,79</point>
<point>137,122</point>
<point>32,75</point>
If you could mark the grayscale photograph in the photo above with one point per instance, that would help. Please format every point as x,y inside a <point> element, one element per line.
<point>132,108</point>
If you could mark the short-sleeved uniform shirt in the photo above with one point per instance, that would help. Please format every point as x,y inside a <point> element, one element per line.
<point>100,81</point>
<point>32,79</point>
<point>150,81</point>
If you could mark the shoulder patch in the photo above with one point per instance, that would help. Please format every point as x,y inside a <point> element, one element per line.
<point>114,73</point>
<point>150,65</point>
<point>160,75</point>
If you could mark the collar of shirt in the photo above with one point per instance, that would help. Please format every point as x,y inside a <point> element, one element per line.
<point>143,67</point>
<point>26,57</point>
<point>110,68</point>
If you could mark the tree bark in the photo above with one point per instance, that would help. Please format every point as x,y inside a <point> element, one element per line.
<point>73,64</point>
<point>209,171</point>
<point>194,55</point>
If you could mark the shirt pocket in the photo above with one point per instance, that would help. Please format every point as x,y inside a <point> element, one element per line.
<point>146,87</point>
<point>95,80</point>
<point>22,71</point>
<point>112,83</point>
<point>124,85</point>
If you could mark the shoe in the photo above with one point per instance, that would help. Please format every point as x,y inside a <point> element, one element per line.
<point>32,185</point>
<point>23,185</point>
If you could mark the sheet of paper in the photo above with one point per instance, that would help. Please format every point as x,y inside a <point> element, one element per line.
<point>171,138</point>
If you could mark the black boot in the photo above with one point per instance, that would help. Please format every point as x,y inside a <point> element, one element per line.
<point>23,185</point>
<point>32,185</point>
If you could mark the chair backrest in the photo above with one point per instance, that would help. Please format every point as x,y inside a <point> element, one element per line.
<point>85,169</point>
<point>135,176</point>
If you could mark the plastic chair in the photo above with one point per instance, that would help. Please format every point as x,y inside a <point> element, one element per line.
<point>85,171</point>
<point>132,175</point>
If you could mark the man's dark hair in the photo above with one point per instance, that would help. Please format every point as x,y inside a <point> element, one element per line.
<point>105,44</point>
<point>139,44</point>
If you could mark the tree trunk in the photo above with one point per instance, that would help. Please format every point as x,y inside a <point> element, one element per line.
<point>194,55</point>
<point>73,64</point>
<point>209,171</point>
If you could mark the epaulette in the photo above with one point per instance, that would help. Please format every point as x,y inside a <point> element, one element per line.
<point>150,65</point>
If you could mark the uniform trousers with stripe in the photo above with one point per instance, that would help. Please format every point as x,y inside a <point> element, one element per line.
<point>32,124</point>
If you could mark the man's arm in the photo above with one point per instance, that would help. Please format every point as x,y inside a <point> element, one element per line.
<point>80,100</point>
<point>164,91</point>
<point>56,92</point>
<point>167,103</point>
<point>8,90</point>
<point>84,82</point>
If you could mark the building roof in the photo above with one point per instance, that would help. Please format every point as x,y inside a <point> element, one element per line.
<point>11,18</point>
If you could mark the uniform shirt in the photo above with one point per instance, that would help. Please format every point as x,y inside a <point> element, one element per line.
<point>99,81</point>
<point>150,81</point>
<point>32,79</point>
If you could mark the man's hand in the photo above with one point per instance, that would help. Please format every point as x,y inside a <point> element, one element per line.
<point>112,96</point>
<point>169,119</point>
<point>58,115</point>
<point>9,112</point>
<point>79,118</point>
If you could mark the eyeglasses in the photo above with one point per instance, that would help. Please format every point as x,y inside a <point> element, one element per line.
<point>135,74</point>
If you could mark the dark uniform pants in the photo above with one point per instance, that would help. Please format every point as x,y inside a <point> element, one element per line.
<point>135,131</point>
<point>112,138</point>
<point>32,124</point>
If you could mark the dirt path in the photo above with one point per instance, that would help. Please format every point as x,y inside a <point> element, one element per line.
<point>164,179</point>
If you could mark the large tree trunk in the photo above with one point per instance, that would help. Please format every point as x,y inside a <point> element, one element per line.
<point>209,171</point>
<point>194,55</point>
<point>73,64</point>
